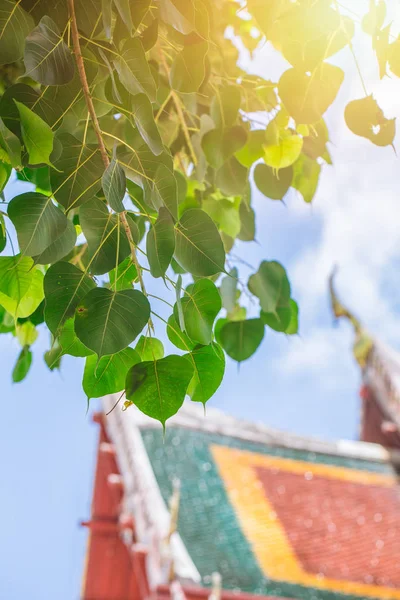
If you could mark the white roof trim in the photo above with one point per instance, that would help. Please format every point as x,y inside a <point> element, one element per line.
<point>191,416</point>
<point>143,498</point>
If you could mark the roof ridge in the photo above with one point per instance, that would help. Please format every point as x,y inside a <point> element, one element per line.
<point>191,416</point>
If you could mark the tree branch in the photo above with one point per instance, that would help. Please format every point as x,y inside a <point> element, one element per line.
<point>104,155</point>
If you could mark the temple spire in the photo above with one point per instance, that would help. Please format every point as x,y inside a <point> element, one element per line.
<point>363,342</point>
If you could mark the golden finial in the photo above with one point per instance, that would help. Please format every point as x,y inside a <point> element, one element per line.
<point>363,342</point>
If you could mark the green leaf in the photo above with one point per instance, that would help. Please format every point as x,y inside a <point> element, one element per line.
<point>114,185</point>
<point>225,105</point>
<point>107,375</point>
<point>105,235</point>
<point>65,286</point>
<point>43,105</point>
<point>59,248</point>
<point>228,290</point>
<point>149,348</point>
<point>123,276</point>
<point>133,69</point>
<point>5,172</point>
<point>177,337</point>
<point>160,243</point>
<point>273,184</point>
<point>199,247</point>
<point>3,234</point>
<point>200,306</point>
<point>15,24</point>
<point>240,339</point>
<point>26,333</point>
<point>231,178</point>
<point>285,152</point>
<point>106,11</point>
<point>158,387</point>
<point>124,10</point>
<point>36,134</point>
<point>21,286</point>
<point>225,213</point>
<point>219,145</point>
<point>209,369</point>
<point>271,285</point>
<point>293,326</point>
<point>107,322</point>
<point>253,149</point>
<point>22,365</point>
<point>364,117</point>
<point>38,222</point>
<point>278,320</point>
<point>247,217</point>
<point>144,120</point>
<point>165,190</point>
<point>47,58</point>
<point>178,310</point>
<point>79,172</point>
<point>306,96</point>
<point>53,357</point>
<point>11,144</point>
<point>189,68</point>
<point>306,174</point>
<point>179,14</point>
<point>69,342</point>
<point>149,36</point>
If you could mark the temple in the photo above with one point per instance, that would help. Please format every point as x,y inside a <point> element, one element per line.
<point>225,509</point>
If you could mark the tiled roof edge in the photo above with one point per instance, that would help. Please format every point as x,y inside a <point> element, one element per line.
<point>191,416</point>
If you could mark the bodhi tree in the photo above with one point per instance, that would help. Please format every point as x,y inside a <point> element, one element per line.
<point>143,142</point>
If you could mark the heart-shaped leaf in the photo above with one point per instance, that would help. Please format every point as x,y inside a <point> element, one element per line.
<point>306,96</point>
<point>199,247</point>
<point>200,305</point>
<point>271,285</point>
<point>107,375</point>
<point>240,339</point>
<point>158,387</point>
<point>64,286</point>
<point>273,184</point>
<point>149,348</point>
<point>79,172</point>
<point>38,222</point>
<point>47,58</point>
<point>107,322</point>
<point>105,235</point>
<point>209,368</point>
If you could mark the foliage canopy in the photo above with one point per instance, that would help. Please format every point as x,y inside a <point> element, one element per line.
<point>143,141</point>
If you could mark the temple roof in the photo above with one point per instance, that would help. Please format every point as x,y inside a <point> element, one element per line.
<point>276,514</point>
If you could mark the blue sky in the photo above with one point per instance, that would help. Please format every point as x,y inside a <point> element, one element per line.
<point>307,384</point>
